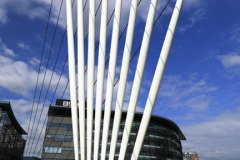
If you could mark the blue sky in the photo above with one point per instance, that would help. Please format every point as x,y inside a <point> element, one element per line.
<point>200,87</point>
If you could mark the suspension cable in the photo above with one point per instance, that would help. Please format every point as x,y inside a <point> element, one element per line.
<point>39,72</point>
<point>44,78</point>
<point>60,74</point>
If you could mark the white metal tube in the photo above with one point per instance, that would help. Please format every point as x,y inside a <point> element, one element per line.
<point>138,78</point>
<point>123,75</point>
<point>90,81</point>
<point>111,76</point>
<point>100,77</point>
<point>156,80</point>
<point>81,77</point>
<point>72,76</point>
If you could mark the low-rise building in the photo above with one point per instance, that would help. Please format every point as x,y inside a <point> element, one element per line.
<point>190,156</point>
<point>162,140</point>
<point>11,141</point>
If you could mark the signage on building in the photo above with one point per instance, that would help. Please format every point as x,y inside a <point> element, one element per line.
<point>63,102</point>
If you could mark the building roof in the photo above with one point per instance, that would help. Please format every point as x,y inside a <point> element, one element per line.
<point>60,109</point>
<point>7,107</point>
<point>165,121</point>
<point>31,158</point>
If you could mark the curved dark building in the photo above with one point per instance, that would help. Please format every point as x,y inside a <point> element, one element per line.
<point>11,142</point>
<point>162,139</point>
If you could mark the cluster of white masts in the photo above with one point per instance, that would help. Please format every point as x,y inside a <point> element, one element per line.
<point>111,75</point>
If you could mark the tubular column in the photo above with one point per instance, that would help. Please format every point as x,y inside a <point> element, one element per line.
<point>81,77</point>
<point>123,75</point>
<point>72,76</point>
<point>90,81</point>
<point>100,78</point>
<point>111,76</point>
<point>138,78</point>
<point>156,80</point>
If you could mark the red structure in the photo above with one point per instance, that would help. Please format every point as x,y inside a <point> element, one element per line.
<point>190,156</point>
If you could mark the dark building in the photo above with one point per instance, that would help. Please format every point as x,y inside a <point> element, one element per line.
<point>162,139</point>
<point>11,142</point>
<point>190,156</point>
<point>31,158</point>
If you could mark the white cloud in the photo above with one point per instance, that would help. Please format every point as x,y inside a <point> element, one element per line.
<point>217,138</point>
<point>26,77</point>
<point>198,103</point>
<point>198,9</point>
<point>34,61</point>
<point>5,50</point>
<point>235,33</point>
<point>3,11</point>
<point>32,9</point>
<point>189,93</point>
<point>190,4</point>
<point>230,60</point>
<point>23,46</point>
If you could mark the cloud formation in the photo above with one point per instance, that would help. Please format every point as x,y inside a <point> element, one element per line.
<point>198,9</point>
<point>191,93</point>
<point>230,60</point>
<point>25,75</point>
<point>235,33</point>
<point>4,50</point>
<point>23,46</point>
<point>217,138</point>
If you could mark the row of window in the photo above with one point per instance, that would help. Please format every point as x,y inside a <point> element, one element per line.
<point>158,140</point>
<point>66,126</point>
<point>51,149</point>
<point>133,132</point>
<point>68,138</point>
<point>69,126</point>
<point>59,138</point>
<point>151,152</point>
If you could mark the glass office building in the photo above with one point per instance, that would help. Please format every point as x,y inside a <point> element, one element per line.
<point>11,142</point>
<point>162,139</point>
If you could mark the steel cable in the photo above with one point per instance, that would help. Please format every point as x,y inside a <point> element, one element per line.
<point>39,72</point>
<point>44,78</point>
<point>60,74</point>
<point>75,63</point>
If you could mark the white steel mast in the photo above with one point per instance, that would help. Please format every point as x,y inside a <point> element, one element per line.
<point>123,75</point>
<point>138,78</point>
<point>156,80</point>
<point>81,77</point>
<point>72,76</point>
<point>111,76</point>
<point>100,77</point>
<point>90,78</point>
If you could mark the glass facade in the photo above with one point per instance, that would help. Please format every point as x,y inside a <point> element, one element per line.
<point>161,142</point>
<point>11,142</point>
